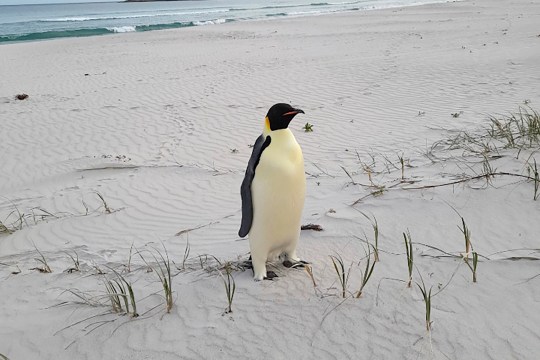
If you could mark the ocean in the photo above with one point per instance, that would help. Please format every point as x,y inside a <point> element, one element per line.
<point>40,22</point>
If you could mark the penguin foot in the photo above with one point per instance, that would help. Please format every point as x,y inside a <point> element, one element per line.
<point>297,264</point>
<point>270,275</point>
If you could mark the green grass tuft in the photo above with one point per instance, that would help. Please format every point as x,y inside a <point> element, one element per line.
<point>308,127</point>
<point>375,227</point>
<point>341,272</point>
<point>163,271</point>
<point>76,263</point>
<point>533,173</point>
<point>120,291</point>
<point>467,235</point>
<point>105,205</point>
<point>518,130</point>
<point>230,286</point>
<point>186,254</point>
<point>410,257</point>
<point>426,295</point>
<point>366,274</point>
<point>45,268</point>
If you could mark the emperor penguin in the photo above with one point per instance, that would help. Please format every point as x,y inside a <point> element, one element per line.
<point>273,193</point>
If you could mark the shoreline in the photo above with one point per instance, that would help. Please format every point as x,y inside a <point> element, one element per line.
<point>115,30</point>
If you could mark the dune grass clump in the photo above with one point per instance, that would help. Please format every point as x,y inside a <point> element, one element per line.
<point>114,296</point>
<point>230,286</point>
<point>76,263</point>
<point>4,229</point>
<point>410,257</point>
<point>403,163</point>
<point>469,249</point>
<point>426,296</point>
<point>517,130</point>
<point>532,169</point>
<point>467,235</point>
<point>128,266</point>
<point>16,220</point>
<point>342,273</point>
<point>366,274</point>
<point>121,291</point>
<point>520,130</point>
<point>9,226</point>
<point>105,205</point>
<point>375,227</point>
<point>309,271</point>
<point>163,271</point>
<point>186,254</point>
<point>474,264</point>
<point>45,268</point>
<point>164,274</point>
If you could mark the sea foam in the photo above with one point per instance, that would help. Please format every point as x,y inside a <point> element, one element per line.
<point>122,29</point>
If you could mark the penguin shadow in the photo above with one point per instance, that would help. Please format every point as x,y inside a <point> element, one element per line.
<point>287,263</point>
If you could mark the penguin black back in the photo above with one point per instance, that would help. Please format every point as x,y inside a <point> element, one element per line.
<point>245,189</point>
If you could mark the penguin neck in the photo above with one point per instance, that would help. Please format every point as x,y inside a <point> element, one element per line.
<point>267,130</point>
<point>282,139</point>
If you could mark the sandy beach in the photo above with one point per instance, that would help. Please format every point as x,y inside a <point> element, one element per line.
<point>133,146</point>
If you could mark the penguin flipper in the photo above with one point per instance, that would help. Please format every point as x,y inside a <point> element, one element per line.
<point>245,189</point>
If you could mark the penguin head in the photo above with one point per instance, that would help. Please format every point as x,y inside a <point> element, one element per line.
<point>280,115</point>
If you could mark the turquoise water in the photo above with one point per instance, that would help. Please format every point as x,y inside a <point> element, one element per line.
<point>38,22</point>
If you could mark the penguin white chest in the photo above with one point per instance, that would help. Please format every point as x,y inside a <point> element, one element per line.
<point>278,192</point>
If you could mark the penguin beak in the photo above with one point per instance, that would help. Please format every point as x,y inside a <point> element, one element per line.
<point>294,112</point>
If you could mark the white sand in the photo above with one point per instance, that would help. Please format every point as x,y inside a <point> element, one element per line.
<point>152,128</point>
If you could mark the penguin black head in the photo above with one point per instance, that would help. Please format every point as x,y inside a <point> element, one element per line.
<point>280,115</point>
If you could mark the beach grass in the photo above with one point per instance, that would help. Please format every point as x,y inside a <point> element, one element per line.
<point>309,271</point>
<point>162,268</point>
<point>120,291</point>
<point>128,266</point>
<point>114,296</point>
<point>230,286</point>
<point>517,130</point>
<point>532,169</point>
<point>85,298</point>
<point>45,268</point>
<point>105,205</point>
<point>366,274</point>
<point>467,236</point>
<point>187,250</point>
<point>426,297</point>
<point>375,227</point>
<point>4,229</point>
<point>17,224</point>
<point>472,266</point>
<point>76,262</point>
<point>402,165</point>
<point>410,256</point>
<point>342,273</point>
